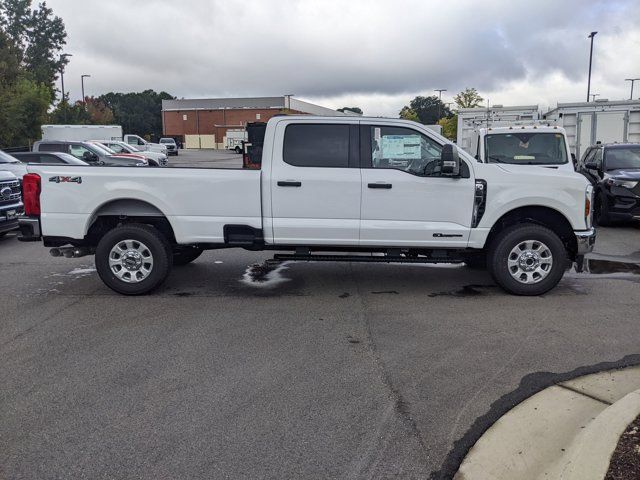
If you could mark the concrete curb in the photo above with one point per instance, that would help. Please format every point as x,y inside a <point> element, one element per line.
<point>567,431</point>
<point>589,455</point>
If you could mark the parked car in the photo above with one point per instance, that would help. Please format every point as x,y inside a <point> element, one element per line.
<point>172,146</point>
<point>614,171</point>
<point>49,158</point>
<point>138,155</point>
<point>405,195</point>
<point>11,164</point>
<point>141,144</point>
<point>90,153</point>
<point>10,201</point>
<point>155,159</point>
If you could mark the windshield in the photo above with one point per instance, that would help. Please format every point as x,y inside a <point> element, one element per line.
<point>526,148</point>
<point>625,158</point>
<point>104,148</point>
<point>128,148</point>
<point>6,158</point>
<point>167,140</point>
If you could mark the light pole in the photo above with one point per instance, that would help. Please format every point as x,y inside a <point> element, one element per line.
<point>632,80</point>
<point>594,95</point>
<point>62,58</point>
<point>591,35</point>
<point>82,77</point>
<point>439,90</point>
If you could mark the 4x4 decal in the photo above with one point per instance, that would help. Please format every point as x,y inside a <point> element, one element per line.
<point>60,179</point>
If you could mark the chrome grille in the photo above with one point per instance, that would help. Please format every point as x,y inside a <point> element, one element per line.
<point>14,196</point>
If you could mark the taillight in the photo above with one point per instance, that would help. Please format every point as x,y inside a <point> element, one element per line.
<point>31,194</point>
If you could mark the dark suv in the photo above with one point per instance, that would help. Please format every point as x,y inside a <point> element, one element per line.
<point>614,171</point>
<point>10,202</point>
<point>88,152</point>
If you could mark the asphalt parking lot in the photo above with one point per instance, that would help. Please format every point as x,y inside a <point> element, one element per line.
<point>322,371</point>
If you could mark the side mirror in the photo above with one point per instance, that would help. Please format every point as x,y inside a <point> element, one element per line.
<point>591,165</point>
<point>450,161</point>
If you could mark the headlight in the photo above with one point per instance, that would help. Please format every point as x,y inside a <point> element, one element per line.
<point>615,182</point>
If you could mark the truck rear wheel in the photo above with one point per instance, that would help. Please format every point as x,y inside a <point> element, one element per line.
<point>133,259</point>
<point>527,259</point>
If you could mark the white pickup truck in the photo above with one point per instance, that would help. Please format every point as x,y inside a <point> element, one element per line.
<point>329,189</point>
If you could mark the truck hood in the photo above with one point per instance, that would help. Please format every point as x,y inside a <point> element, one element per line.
<point>625,174</point>
<point>536,170</point>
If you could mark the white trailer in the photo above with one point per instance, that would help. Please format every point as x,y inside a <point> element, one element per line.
<point>470,119</point>
<point>587,123</point>
<point>81,133</point>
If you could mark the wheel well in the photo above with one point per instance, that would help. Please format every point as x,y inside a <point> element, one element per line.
<point>123,211</point>
<point>545,216</point>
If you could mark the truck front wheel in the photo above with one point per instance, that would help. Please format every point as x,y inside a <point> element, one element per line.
<point>527,259</point>
<point>133,259</point>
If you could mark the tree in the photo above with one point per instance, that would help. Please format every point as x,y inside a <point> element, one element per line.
<point>98,112</point>
<point>138,112</point>
<point>37,35</point>
<point>468,98</point>
<point>351,109</point>
<point>23,109</point>
<point>427,109</point>
<point>449,127</point>
<point>408,114</point>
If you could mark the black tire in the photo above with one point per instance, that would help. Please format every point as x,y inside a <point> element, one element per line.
<point>237,149</point>
<point>186,255</point>
<point>509,239</point>
<point>156,244</point>
<point>600,213</point>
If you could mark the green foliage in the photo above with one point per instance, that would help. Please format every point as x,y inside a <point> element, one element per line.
<point>427,109</point>
<point>23,109</point>
<point>408,114</point>
<point>468,98</point>
<point>449,127</point>
<point>30,42</point>
<point>351,109</point>
<point>95,112</point>
<point>138,112</point>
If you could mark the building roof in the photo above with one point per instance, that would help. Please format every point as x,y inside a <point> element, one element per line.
<point>249,103</point>
<point>580,106</point>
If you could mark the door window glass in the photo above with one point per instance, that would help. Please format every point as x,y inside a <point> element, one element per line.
<point>405,149</point>
<point>316,145</point>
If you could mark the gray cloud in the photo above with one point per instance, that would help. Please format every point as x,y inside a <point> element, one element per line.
<point>339,50</point>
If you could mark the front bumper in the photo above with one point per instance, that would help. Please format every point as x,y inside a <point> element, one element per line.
<point>586,240</point>
<point>8,225</point>
<point>29,229</point>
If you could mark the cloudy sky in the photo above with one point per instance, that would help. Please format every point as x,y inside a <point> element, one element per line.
<point>376,54</point>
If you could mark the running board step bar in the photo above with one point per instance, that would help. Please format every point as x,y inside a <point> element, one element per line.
<point>364,258</point>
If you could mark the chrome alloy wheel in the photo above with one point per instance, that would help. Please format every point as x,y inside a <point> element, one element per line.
<point>131,261</point>
<point>530,261</point>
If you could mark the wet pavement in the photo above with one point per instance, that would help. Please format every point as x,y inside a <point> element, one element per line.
<point>239,368</point>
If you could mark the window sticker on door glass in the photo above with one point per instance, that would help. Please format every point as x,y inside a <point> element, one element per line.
<point>401,147</point>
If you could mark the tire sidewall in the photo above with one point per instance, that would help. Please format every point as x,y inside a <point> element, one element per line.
<point>154,241</point>
<point>502,246</point>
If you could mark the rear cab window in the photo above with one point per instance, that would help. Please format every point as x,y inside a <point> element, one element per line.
<point>320,145</point>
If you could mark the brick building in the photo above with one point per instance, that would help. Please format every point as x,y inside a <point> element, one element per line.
<point>203,123</point>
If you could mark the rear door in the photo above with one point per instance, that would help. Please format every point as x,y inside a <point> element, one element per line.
<point>315,184</point>
<point>405,200</point>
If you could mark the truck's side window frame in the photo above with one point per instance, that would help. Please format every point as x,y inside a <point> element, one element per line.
<point>352,160</point>
<point>366,154</point>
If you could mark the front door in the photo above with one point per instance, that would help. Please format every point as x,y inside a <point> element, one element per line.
<point>405,200</point>
<point>315,184</point>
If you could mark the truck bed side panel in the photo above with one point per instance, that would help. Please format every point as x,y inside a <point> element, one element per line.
<point>197,202</point>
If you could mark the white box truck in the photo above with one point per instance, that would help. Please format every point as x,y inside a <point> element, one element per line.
<point>604,121</point>
<point>81,133</point>
<point>84,133</point>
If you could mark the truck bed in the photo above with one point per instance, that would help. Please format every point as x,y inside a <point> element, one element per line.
<point>197,202</point>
